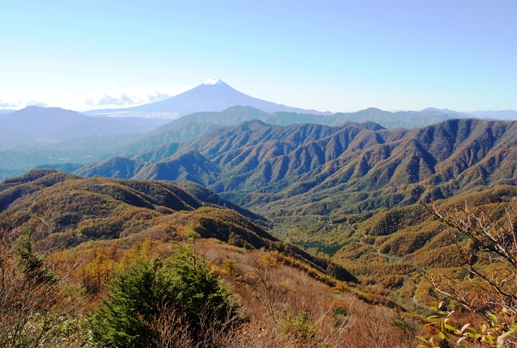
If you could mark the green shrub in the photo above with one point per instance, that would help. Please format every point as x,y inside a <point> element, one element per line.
<point>141,295</point>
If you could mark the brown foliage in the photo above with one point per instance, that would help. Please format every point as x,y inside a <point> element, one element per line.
<point>35,312</point>
<point>286,308</point>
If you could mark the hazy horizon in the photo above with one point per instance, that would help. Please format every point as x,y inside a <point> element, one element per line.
<point>328,56</point>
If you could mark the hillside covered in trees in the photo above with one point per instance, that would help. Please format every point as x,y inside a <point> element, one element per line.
<point>323,173</point>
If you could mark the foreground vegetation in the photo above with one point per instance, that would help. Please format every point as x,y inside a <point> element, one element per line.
<point>104,262</point>
<point>201,274</point>
<point>159,293</point>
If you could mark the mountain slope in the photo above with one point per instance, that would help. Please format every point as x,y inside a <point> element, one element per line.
<point>163,136</point>
<point>114,167</point>
<point>189,165</point>
<point>322,170</point>
<point>227,117</point>
<point>63,211</point>
<point>389,248</point>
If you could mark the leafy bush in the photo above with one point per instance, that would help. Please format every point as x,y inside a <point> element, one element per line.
<point>487,296</point>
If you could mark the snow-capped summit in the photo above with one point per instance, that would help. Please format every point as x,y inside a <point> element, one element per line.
<point>213,82</point>
<point>213,95</point>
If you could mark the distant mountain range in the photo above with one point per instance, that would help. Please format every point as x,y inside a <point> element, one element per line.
<point>316,182</point>
<point>35,136</point>
<point>237,114</point>
<point>37,125</point>
<point>215,96</point>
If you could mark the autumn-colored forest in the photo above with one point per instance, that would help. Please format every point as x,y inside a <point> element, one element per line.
<point>105,262</point>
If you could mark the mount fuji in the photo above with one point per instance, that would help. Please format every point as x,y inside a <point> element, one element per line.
<point>213,95</point>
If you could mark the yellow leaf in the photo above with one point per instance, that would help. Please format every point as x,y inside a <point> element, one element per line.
<point>450,327</point>
<point>500,339</point>
<point>493,318</point>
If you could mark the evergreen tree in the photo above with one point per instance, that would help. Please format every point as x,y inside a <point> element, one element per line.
<point>140,293</point>
<point>31,265</point>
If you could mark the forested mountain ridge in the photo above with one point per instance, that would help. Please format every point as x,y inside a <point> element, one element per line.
<point>324,163</point>
<point>51,136</point>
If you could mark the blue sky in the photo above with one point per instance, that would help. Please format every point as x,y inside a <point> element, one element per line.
<point>324,55</point>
